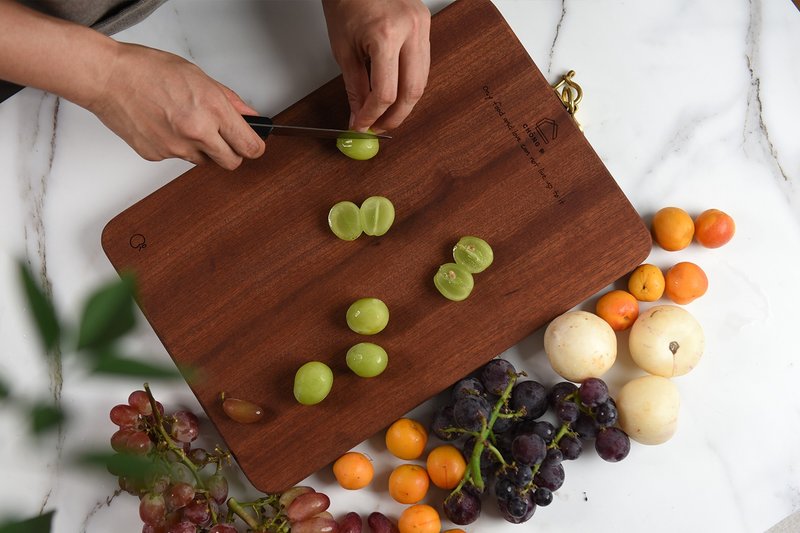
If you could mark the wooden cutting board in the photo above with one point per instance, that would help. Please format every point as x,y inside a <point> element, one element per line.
<point>242,280</point>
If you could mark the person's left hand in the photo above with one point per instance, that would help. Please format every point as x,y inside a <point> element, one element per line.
<point>393,37</point>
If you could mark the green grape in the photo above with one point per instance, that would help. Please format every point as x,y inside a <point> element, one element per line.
<point>312,382</point>
<point>473,253</point>
<point>344,220</point>
<point>367,316</point>
<point>367,360</point>
<point>453,281</point>
<point>377,215</point>
<point>360,149</point>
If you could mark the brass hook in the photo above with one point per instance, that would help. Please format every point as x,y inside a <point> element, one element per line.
<point>571,95</point>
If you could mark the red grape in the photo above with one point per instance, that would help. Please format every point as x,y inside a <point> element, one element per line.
<point>185,426</point>
<point>198,512</point>
<point>222,528</point>
<point>179,496</point>
<point>316,524</point>
<point>307,505</point>
<point>184,526</point>
<point>242,411</point>
<point>152,509</point>
<point>124,416</point>
<point>351,523</point>
<point>139,401</point>
<point>288,497</point>
<point>378,523</point>
<point>218,488</point>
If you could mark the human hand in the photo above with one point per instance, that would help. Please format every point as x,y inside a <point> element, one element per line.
<point>393,35</point>
<point>164,106</point>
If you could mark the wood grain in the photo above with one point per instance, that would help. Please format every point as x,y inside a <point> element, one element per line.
<point>242,280</point>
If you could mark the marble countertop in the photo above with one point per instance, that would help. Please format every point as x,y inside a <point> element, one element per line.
<point>692,104</point>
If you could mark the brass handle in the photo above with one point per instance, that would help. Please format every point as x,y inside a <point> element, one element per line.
<point>571,95</point>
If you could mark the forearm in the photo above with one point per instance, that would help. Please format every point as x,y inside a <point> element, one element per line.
<point>60,57</point>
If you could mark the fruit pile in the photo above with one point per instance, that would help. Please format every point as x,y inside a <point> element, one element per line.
<point>513,454</point>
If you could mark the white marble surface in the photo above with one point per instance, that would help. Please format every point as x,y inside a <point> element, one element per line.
<point>691,104</point>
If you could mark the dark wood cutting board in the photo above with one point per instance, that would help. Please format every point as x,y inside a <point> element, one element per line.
<point>243,281</point>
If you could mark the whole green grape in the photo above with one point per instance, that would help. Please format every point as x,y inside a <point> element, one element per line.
<point>359,149</point>
<point>377,215</point>
<point>312,382</point>
<point>367,360</point>
<point>367,316</point>
<point>454,281</point>
<point>473,253</point>
<point>344,219</point>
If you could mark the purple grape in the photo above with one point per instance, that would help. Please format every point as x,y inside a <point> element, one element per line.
<point>471,412</point>
<point>521,475</point>
<point>184,427</point>
<point>544,429</point>
<point>554,457</point>
<point>307,505</point>
<point>559,392</point>
<point>504,488</point>
<point>528,449</point>
<point>517,509</point>
<point>462,507</point>
<point>351,523</point>
<point>378,523</point>
<point>593,392</point>
<point>531,396</point>
<point>467,387</point>
<point>612,444</point>
<point>502,425</point>
<point>543,497</point>
<point>496,375</point>
<point>442,421</point>
<point>152,509</point>
<point>567,411</point>
<point>550,477</point>
<point>585,426</point>
<point>606,414</point>
<point>571,447</point>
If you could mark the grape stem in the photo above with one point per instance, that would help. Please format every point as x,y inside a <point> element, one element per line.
<point>242,513</point>
<point>563,430</point>
<point>159,426</point>
<point>473,473</point>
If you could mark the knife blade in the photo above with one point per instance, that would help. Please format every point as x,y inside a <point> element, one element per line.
<point>264,126</point>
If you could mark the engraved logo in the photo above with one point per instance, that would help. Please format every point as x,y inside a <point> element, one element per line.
<point>138,241</point>
<point>547,129</point>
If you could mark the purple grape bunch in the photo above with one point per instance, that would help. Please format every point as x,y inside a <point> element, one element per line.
<point>513,454</point>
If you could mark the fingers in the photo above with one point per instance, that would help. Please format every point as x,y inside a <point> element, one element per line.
<point>238,104</point>
<point>384,75</point>
<point>356,81</point>
<point>220,151</point>
<point>414,65</point>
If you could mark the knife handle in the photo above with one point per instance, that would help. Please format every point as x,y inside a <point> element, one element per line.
<point>261,125</point>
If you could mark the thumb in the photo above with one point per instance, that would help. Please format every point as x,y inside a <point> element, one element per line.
<point>237,103</point>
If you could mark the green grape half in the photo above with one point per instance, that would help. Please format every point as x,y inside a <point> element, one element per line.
<point>473,253</point>
<point>367,360</point>
<point>344,219</point>
<point>359,149</point>
<point>312,382</point>
<point>454,281</point>
<point>377,215</point>
<point>367,316</point>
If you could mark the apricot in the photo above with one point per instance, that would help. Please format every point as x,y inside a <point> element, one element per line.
<point>713,228</point>
<point>408,483</point>
<point>672,228</point>
<point>685,282</point>
<point>646,283</point>
<point>353,471</point>
<point>419,519</point>
<point>406,439</point>
<point>619,308</point>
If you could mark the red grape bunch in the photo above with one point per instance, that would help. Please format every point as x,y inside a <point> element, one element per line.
<point>513,454</point>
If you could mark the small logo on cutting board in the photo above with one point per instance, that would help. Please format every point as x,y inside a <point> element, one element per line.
<point>138,241</point>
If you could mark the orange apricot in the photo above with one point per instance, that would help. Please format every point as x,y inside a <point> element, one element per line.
<point>685,282</point>
<point>672,228</point>
<point>619,308</point>
<point>446,466</point>
<point>406,439</point>
<point>713,228</point>
<point>408,483</point>
<point>646,283</point>
<point>353,470</point>
<point>419,519</point>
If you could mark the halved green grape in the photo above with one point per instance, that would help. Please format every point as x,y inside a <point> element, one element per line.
<point>367,360</point>
<point>344,219</point>
<point>377,215</point>
<point>367,316</point>
<point>360,149</point>
<point>473,253</point>
<point>454,281</point>
<point>312,382</point>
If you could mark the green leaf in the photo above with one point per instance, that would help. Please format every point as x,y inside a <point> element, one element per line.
<point>44,314</point>
<point>117,365</point>
<point>45,416</point>
<point>108,314</point>
<point>135,467</point>
<point>38,524</point>
<point>4,390</point>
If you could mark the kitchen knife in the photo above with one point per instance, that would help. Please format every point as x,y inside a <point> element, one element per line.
<point>264,127</point>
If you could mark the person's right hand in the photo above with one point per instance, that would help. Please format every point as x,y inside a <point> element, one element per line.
<point>164,106</point>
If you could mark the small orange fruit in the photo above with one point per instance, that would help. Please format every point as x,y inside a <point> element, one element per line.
<point>619,308</point>
<point>455,531</point>
<point>646,283</point>
<point>353,470</point>
<point>684,282</point>
<point>419,519</point>
<point>672,228</point>
<point>406,439</point>
<point>713,228</point>
<point>408,483</point>
<point>446,466</point>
